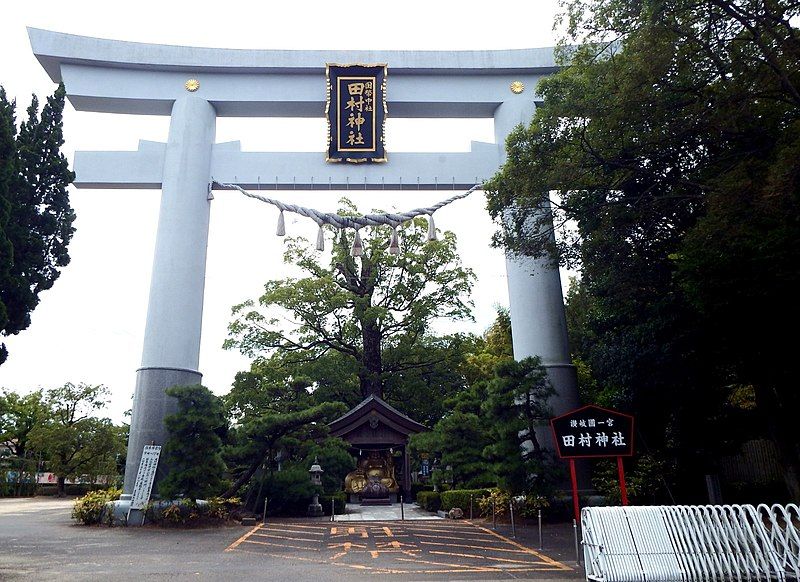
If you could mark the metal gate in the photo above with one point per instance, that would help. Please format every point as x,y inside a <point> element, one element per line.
<point>686,543</point>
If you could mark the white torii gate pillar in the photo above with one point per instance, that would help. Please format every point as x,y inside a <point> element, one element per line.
<point>536,302</point>
<point>171,352</point>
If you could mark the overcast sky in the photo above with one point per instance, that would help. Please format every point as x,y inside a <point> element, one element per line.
<point>89,327</point>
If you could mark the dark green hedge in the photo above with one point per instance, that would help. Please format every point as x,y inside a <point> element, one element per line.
<point>460,498</point>
<point>429,500</point>
<point>417,487</point>
<point>339,502</point>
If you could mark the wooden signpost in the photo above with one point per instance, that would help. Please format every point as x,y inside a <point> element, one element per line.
<point>593,432</point>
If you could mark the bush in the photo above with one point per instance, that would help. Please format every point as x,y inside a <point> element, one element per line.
<point>187,512</point>
<point>460,498</point>
<point>417,487</point>
<point>17,489</point>
<point>89,509</point>
<point>290,491</point>
<point>429,500</point>
<point>501,500</point>
<point>339,502</point>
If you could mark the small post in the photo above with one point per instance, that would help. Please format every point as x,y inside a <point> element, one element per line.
<point>540,529</point>
<point>494,515</point>
<point>264,519</point>
<point>402,510</point>
<point>577,546</point>
<point>470,505</point>
<point>333,509</point>
<point>623,490</point>
<point>513,527</point>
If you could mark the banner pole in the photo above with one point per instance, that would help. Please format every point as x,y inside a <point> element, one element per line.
<point>623,490</point>
<point>574,478</point>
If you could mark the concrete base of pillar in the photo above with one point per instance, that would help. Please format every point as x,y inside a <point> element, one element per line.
<point>150,406</point>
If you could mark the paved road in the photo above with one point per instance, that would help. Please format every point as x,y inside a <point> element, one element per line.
<point>38,540</point>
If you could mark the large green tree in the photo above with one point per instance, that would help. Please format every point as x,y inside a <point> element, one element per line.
<point>35,215</point>
<point>366,320</point>
<point>19,415</point>
<point>72,440</point>
<point>670,139</point>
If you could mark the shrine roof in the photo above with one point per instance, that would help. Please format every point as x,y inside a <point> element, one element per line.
<point>359,414</point>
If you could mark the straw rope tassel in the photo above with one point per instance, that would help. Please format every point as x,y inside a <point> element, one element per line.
<point>431,228</point>
<point>320,239</point>
<point>358,248</point>
<point>281,225</point>
<point>394,243</point>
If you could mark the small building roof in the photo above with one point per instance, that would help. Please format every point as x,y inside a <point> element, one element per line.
<point>372,407</point>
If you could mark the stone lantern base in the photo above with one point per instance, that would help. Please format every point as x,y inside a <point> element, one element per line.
<point>314,508</point>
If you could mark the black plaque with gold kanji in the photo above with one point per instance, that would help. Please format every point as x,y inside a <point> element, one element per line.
<point>356,112</point>
<point>592,431</point>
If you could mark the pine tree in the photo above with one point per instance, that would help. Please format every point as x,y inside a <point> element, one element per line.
<point>193,451</point>
<point>515,406</point>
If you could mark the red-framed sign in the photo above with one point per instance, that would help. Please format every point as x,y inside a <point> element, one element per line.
<point>591,432</point>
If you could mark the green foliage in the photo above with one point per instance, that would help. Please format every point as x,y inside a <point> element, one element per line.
<point>516,405</point>
<point>458,440</point>
<point>260,436</point>
<point>90,508</point>
<point>416,488</point>
<point>429,500</point>
<point>336,461</point>
<point>35,216</point>
<point>339,502</point>
<point>496,501</point>
<point>290,491</point>
<point>671,144</point>
<point>645,480</point>
<point>72,441</point>
<point>193,451</point>
<point>189,513</point>
<point>18,417</point>
<point>364,322</point>
<point>494,347</point>
<point>461,498</point>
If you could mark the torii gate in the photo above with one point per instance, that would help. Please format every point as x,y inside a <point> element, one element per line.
<point>194,86</point>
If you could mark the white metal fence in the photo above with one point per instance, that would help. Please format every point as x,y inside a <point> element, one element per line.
<point>690,542</point>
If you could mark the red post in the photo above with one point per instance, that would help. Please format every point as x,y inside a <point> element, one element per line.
<point>575,504</point>
<point>623,490</point>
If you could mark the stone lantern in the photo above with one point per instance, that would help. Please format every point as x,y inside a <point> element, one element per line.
<point>315,509</point>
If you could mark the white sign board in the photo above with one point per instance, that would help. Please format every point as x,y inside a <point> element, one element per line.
<point>145,476</point>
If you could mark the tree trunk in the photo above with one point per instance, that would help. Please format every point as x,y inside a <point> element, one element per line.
<point>243,478</point>
<point>369,375</point>
<point>62,489</point>
<point>372,365</point>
